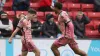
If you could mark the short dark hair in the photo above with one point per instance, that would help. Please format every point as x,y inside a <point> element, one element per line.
<point>32,11</point>
<point>49,16</point>
<point>4,13</point>
<point>58,5</point>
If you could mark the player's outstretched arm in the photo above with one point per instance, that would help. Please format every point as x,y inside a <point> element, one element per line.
<point>13,34</point>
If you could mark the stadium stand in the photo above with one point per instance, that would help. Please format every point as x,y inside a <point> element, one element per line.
<point>72,7</point>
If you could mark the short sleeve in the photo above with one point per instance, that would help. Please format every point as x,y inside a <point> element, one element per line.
<point>65,16</point>
<point>20,24</point>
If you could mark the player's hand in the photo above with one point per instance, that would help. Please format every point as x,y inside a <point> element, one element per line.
<point>10,40</point>
<point>52,7</point>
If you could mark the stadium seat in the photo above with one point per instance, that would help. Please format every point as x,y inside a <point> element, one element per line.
<point>94,15</point>
<point>34,1</point>
<point>34,5</point>
<point>41,15</point>
<point>71,15</point>
<point>19,12</point>
<point>8,6</point>
<point>74,7</point>
<point>91,31</point>
<point>8,1</point>
<point>65,6</point>
<point>76,1</point>
<point>11,14</point>
<point>55,16</point>
<point>90,25</point>
<point>96,24</point>
<point>87,7</point>
<point>92,34</point>
<point>68,1</point>
<point>61,1</point>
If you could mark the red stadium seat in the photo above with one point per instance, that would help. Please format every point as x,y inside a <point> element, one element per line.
<point>41,16</point>
<point>34,5</point>
<point>76,1</point>
<point>55,16</point>
<point>74,7</point>
<point>94,15</point>
<point>68,1</point>
<point>90,25</point>
<point>61,1</point>
<point>34,1</point>
<point>8,6</point>
<point>87,7</point>
<point>65,6</point>
<point>90,30</point>
<point>92,34</point>
<point>11,14</point>
<point>96,24</point>
<point>8,1</point>
<point>19,12</point>
<point>70,14</point>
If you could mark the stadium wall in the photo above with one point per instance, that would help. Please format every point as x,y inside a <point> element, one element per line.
<point>92,47</point>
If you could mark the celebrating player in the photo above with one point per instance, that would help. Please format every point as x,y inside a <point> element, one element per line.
<point>67,29</point>
<point>25,25</point>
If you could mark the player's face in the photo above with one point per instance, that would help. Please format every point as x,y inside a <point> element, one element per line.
<point>30,16</point>
<point>34,18</point>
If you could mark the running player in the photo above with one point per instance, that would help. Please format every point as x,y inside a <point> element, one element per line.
<point>25,25</point>
<point>67,29</point>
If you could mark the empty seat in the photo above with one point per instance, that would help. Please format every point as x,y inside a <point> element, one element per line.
<point>61,1</point>
<point>90,25</point>
<point>92,33</point>
<point>8,6</point>
<point>87,7</point>
<point>41,15</point>
<point>90,30</point>
<point>34,1</point>
<point>19,12</point>
<point>74,7</point>
<point>65,6</point>
<point>94,15</point>
<point>70,14</point>
<point>11,14</point>
<point>96,24</point>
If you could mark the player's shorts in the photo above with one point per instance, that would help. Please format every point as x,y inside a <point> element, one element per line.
<point>28,46</point>
<point>62,41</point>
